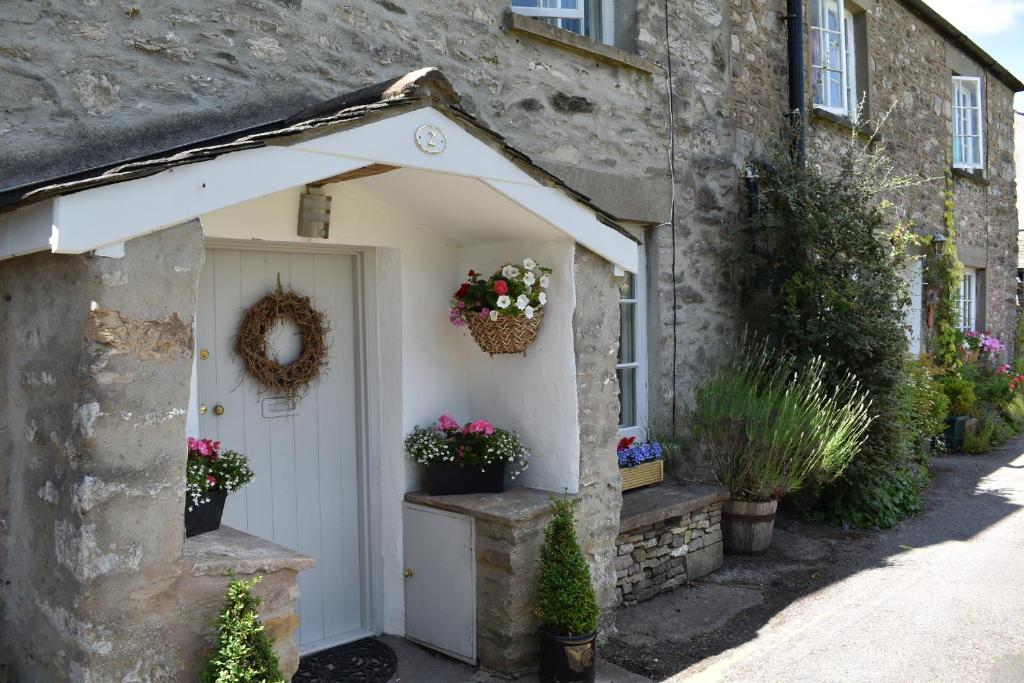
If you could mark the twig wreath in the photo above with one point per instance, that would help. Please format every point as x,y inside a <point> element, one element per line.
<point>252,346</point>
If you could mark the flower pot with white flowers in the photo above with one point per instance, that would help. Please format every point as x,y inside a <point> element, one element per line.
<point>469,458</point>
<point>210,476</point>
<point>503,312</point>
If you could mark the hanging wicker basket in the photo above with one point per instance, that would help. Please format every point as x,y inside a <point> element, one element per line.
<point>506,334</point>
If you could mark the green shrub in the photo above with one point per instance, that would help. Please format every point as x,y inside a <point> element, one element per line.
<point>924,405</point>
<point>243,653</point>
<point>565,596</point>
<point>992,429</point>
<point>765,425</point>
<point>1013,411</point>
<point>880,500</point>
<point>960,392</point>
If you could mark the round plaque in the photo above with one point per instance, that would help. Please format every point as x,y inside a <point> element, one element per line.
<point>431,139</point>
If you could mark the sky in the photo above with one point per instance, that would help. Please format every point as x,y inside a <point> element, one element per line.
<point>996,25</point>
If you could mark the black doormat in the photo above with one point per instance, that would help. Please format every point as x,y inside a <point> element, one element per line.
<point>364,661</point>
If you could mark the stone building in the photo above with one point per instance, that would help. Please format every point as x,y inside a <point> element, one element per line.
<point>145,148</point>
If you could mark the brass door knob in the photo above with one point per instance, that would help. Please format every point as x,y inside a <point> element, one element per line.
<point>218,409</point>
<point>407,573</point>
<point>203,409</point>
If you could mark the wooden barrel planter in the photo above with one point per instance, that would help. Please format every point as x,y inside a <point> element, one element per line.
<point>747,526</point>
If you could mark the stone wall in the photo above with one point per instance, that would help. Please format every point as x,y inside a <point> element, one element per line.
<point>96,355</point>
<point>662,556</point>
<point>595,322</point>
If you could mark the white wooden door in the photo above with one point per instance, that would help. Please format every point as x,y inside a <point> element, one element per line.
<point>913,274</point>
<point>306,492</point>
<point>440,582</point>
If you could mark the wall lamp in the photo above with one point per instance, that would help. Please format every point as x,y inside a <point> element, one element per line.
<point>937,245</point>
<point>314,213</point>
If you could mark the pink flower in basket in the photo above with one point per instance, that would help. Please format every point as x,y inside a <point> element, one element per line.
<point>446,422</point>
<point>479,427</point>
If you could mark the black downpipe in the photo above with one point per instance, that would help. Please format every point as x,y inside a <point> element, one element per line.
<point>795,18</point>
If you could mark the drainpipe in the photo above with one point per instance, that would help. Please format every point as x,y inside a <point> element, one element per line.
<point>795,21</point>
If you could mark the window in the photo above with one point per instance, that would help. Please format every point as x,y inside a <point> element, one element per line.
<point>968,148</point>
<point>968,300</point>
<point>834,58</point>
<point>592,18</point>
<point>632,363</point>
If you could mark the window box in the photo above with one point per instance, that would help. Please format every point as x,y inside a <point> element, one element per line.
<point>644,474</point>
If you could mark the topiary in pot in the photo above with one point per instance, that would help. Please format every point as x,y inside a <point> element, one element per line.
<point>243,652</point>
<point>565,603</point>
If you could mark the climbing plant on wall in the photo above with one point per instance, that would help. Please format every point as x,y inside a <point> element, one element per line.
<point>944,275</point>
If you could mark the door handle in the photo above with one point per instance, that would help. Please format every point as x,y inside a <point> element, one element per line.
<point>218,409</point>
<point>407,573</point>
<point>203,409</point>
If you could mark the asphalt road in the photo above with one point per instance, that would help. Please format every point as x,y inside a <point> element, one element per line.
<point>939,598</point>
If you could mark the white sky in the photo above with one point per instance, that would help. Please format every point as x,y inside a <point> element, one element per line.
<point>981,17</point>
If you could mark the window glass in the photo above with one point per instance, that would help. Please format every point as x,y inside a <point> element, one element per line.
<point>967,123</point>
<point>833,63</point>
<point>968,300</point>
<point>577,16</point>
<point>627,397</point>
<point>632,362</point>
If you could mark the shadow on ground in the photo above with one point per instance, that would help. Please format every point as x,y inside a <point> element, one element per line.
<point>666,635</point>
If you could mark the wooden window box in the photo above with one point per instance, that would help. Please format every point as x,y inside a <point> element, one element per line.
<point>648,473</point>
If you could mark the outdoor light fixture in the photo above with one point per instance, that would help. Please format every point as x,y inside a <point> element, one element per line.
<point>314,213</point>
<point>938,245</point>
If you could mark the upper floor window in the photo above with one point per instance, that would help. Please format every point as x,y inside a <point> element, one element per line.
<point>833,57</point>
<point>968,143</point>
<point>591,18</point>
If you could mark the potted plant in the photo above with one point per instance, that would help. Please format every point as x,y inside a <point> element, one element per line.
<point>209,477</point>
<point>243,651</point>
<point>566,604</point>
<point>765,426</point>
<point>960,392</point>
<point>640,464</point>
<point>470,458</point>
<point>503,312</point>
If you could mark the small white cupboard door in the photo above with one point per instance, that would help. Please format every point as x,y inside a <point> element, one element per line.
<point>306,493</point>
<point>440,582</point>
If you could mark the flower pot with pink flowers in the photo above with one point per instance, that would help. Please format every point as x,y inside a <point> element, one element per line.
<point>469,458</point>
<point>503,312</point>
<point>209,477</point>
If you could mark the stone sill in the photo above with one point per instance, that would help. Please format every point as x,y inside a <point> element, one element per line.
<point>228,551</point>
<point>510,508</point>
<point>972,175</point>
<point>647,506</point>
<point>845,122</point>
<point>535,28</point>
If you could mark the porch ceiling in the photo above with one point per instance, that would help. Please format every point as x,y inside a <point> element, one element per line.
<point>466,210</point>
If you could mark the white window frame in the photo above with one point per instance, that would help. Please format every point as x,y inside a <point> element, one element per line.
<point>967,302</point>
<point>847,60</point>
<point>554,10</point>
<point>639,301</point>
<point>913,274</point>
<point>962,123</point>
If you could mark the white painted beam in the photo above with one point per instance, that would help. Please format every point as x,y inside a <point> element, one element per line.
<point>26,230</point>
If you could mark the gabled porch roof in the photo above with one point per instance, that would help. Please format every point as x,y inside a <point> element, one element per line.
<point>371,127</point>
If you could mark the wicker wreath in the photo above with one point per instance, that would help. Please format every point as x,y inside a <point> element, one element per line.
<point>288,380</point>
<point>506,334</point>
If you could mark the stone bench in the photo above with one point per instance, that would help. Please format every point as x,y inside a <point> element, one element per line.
<point>668,535</point>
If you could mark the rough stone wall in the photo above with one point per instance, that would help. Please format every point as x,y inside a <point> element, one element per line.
<point>660,557</point>
<point>90,459</point>
<point>595,324</point>
<point>1018,157</point>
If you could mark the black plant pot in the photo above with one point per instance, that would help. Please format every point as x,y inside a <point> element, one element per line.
<point>956,428</point>
<point>447,479</point>
<point>567,659</point>
<point>204,517</point>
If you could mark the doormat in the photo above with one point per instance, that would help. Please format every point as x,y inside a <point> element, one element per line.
<point>364,661</point>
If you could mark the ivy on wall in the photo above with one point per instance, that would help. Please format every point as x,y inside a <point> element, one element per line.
<point>944,275</point>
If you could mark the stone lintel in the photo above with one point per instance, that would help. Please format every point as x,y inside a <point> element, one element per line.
<point>509,508</point>
<point>228,551</point>
<point>540,30</point>
<point>654,504</point>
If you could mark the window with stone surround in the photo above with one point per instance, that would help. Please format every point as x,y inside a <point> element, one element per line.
<point>591,18</point>
<point>967,302</point>
<point>835,36</point>
<point>632,362</point>
<point>968,140</point>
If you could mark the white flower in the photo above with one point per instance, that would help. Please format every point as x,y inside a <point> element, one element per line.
<point>522,302</point>
<point>509,271</point>
<point>504,301</point>
<point>543,298</point>
<point>529,278</point>
<point>529,263</point>
<point>528,311</point>
<point>544,281</point>
<point>493,315</point>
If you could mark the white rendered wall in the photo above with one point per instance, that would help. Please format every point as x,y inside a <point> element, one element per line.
<point>435,366</point>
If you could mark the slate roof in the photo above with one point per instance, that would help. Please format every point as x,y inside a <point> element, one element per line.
<point>426,87</point>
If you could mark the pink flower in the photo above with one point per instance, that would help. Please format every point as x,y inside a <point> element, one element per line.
<point>478,427</point>
<point>484,313</point>
<point>211,480</point>
<point>446,422</point>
